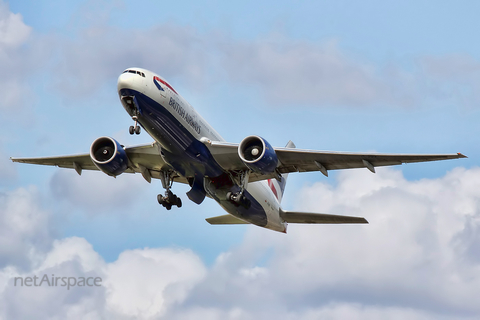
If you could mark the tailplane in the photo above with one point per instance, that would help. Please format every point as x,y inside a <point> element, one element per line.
<point>321,218</point>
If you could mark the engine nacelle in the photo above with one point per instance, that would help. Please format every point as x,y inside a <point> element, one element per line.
<point>109,156</point>
<point>258,154</point>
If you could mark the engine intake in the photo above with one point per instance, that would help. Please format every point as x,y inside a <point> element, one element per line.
<point>258,154</point>
<point>109,156</point>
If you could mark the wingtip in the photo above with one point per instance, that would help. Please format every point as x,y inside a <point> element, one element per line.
<point>460,155</point>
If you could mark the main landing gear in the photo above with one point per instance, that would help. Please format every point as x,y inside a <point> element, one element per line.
<point>169,199</point>
<point>239,198</point>
<point>134,129</point>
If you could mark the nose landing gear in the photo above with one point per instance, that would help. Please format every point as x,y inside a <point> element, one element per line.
<point>134,129</point>
<point>132,107</point>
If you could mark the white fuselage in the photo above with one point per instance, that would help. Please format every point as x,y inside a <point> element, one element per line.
<point>191,124</point>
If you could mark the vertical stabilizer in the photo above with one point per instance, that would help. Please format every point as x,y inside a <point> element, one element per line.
<point>279,187</point>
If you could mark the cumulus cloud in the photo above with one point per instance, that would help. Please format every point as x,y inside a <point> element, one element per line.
<point>24,228</point>
<point>13,33</point>
<point>417,259</point>
<point>20,56</point>
<point>141,284</point>
<point>144,284</point>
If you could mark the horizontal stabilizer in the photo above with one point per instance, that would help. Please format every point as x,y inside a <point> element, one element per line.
<point>307,217</point>
<point>225,219</point>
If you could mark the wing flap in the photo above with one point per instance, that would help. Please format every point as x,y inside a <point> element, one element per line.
<point>225,219</point>
<point>318,218</point>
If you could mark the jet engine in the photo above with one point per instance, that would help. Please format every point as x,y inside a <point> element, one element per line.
<point>109,156</point>
<point>258,155</point>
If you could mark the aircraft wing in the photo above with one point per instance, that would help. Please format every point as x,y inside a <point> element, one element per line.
<point>144,159</point>
<point>298,160</point>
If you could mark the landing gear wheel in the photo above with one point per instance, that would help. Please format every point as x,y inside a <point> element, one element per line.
<point>160,199</point>
<point>137,130</point>
<point>239,200</point>
<point>169,199</point>
<point>131,130</point>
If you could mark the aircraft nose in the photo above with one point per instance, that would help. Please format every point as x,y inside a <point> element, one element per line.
<point>126,81</point>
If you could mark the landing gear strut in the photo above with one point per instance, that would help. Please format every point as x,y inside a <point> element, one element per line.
<point>238,198</point>
<point>134,129</point>
<point>133,107</point>
<point>169,199</point>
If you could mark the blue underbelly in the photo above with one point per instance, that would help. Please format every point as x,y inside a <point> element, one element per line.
<point>180,148</point>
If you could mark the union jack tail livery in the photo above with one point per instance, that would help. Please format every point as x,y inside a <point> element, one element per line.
<point>278,187</point>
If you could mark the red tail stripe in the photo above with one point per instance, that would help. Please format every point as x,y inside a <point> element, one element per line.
<point>272,186</point>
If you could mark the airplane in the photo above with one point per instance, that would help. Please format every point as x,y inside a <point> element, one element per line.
<point>247,179</point>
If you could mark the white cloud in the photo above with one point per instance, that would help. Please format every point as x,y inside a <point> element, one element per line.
<point>143,284</point>
<point>20,56</point>
<point>140,284</point>
<point>24,228</point>
<point>417,259</point>
<point>13,32</point>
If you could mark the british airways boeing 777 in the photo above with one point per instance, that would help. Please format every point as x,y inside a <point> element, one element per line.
<point>246,179</point>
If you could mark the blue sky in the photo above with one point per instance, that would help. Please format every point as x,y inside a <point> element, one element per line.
<point>343,75</point>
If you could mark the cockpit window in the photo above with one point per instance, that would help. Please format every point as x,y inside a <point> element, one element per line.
<point>135,72</point>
